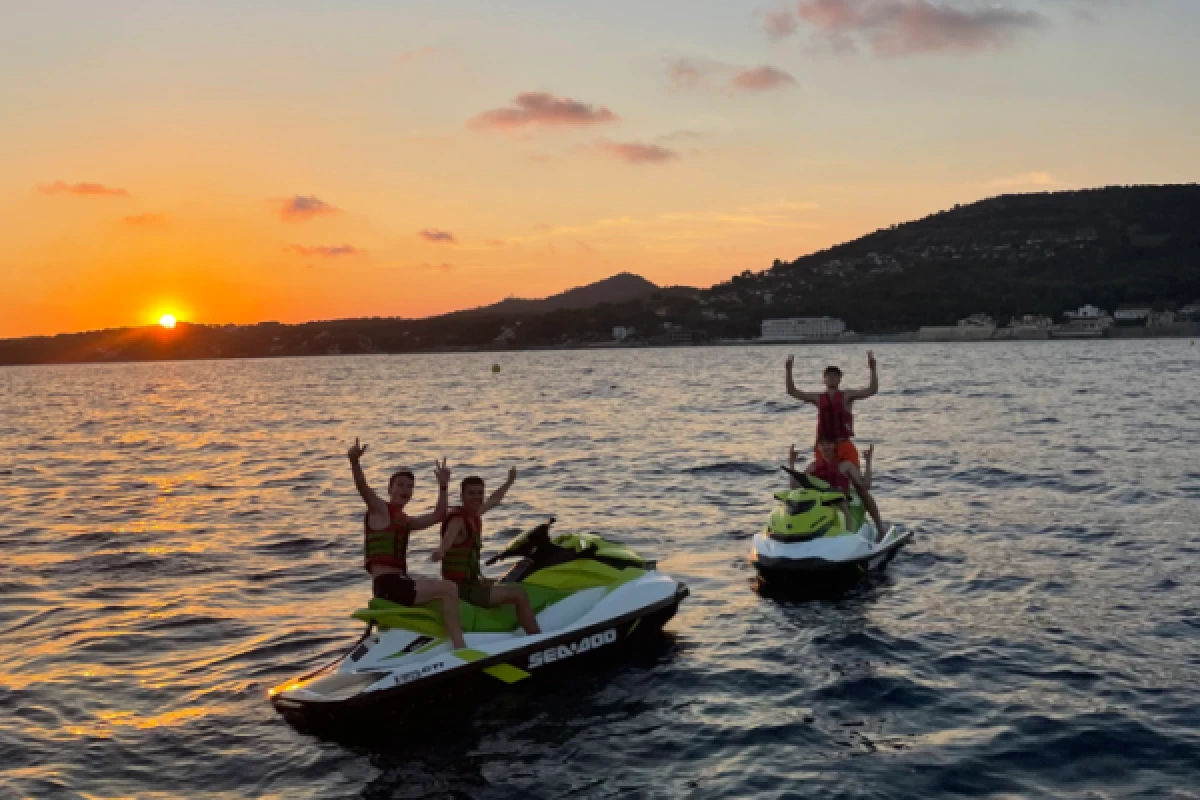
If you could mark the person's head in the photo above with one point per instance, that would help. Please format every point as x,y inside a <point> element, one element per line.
<point>827,448</point>
<point>472,493</point>
<point>833,378</point>
<point>400,486</point>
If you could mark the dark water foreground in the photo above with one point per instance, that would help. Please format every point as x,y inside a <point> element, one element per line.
<point>178,537</point>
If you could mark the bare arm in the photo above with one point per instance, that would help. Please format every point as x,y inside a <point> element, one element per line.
<point>872,387</point>
<point>442,473</point>
<point>377,510</point>
<point>804,397</point>
<point>498,495</point>
<point>453,531</point>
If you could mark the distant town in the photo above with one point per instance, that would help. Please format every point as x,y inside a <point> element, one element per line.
<point>1086,322</point>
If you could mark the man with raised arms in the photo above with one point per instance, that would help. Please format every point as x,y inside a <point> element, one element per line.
<point>462,543</point>
<point>835,422</point>
<point>386,529</point>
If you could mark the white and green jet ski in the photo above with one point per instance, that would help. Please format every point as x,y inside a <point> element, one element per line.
<point>809,541</point>
<point>591,597</point>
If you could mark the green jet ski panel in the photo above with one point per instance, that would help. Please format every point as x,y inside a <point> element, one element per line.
<point>545,587</point>
<point>806,514</point>
<point>427,617</point>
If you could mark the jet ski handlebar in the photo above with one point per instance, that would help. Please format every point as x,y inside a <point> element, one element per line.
<point>799,477</point>
<point>525,544</point>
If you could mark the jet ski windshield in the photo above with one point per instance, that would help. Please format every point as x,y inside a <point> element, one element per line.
<point>795,507</point>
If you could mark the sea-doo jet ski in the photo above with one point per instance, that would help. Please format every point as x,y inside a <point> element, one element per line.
<point>809,542</point>
<point>591,596</point>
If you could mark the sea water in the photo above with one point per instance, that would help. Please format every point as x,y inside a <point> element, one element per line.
<point>178,537</point>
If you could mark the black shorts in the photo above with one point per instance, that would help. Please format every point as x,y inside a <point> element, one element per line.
<point>395,587</point>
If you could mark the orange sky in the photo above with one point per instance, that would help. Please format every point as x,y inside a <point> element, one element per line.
<point>297,161</point>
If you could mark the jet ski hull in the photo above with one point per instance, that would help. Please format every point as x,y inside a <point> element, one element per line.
<point>442,694</point>
<point>833,563</point>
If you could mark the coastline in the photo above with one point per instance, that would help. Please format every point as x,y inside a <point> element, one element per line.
<point>908,337</point>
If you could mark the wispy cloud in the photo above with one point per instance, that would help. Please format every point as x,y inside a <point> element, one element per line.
<point>779,24</point>
<point>147,220</point>
<point>325,250</point>
<point>437,237</point>
<point>542,109</point>
<point>636,152</point>
<point>691,74</point>
<point>301,208</point>
<point>82,189</point>
<point>758,79</point>
<point>896,28</point>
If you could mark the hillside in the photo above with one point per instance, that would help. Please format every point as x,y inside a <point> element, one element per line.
<point>1016,254</point>
<point>1034,253</point>
<point>620,288</point>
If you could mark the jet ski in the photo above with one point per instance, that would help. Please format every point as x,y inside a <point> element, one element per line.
<point>591,596</point>
<point>809,542</point>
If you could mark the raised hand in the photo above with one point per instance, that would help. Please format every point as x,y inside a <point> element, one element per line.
<point>869,454</point>
<point>792,455</point>
<point>871,359</point>
<point>791,360</point>
<point>356,452</point>
<point>441,472</point>
<point>512,475</point>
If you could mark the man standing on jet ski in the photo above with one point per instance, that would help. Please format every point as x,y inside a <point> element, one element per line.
<point>386,529</point>
<point>834,418</point>
<point>462,543</point>
<point>841,475</point>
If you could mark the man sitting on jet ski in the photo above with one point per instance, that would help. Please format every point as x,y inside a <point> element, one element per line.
<point>462,543</point>
<point>386,529</point>
<point>841,476</point>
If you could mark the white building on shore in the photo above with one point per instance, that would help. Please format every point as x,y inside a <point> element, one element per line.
<point>800,329</point>
<point>1089,322</point>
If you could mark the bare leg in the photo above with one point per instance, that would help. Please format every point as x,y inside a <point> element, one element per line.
<point>516,597</point>
<point>864,492</point>
<point>873,510</point>
<point>447,592</point>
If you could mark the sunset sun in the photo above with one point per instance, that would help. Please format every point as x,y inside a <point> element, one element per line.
<point>167,320</point>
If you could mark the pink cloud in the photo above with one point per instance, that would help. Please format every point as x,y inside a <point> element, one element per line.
<point>147,220</point>
<point>895,28</point>
<point>714,75</point>
<point>779,24</point>
<point>542,109</point>
<point>685,74</point>
<point>302,208</point>
<point>326,251</point>
<point>82,189</point>
<point>437,237</point>
<point>760,78</point>
<point>637,152</point>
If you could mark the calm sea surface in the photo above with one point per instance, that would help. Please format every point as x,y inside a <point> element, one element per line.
<point>176,538</point>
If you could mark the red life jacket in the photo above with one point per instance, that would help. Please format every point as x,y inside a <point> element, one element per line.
<point>460,563</point>
<point>386,547</point>
<point>830,474</point>
<point>834,420</point>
